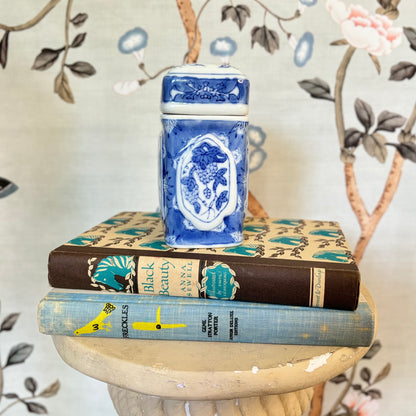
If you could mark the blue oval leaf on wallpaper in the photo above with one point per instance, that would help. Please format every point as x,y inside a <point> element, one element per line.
<point>256,159</point>
<point>133,40</point>
<point>223,47</point>
<point>308,2</point>
<point>304,49</point>
<point>255,135</point>
<point>256,138</point>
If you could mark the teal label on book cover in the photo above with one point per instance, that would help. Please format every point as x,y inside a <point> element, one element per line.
<point>104,275</point>
<point>218,282</point>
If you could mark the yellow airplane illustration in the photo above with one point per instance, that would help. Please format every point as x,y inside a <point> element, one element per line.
<point>155,326</point>
<point>97,323</point>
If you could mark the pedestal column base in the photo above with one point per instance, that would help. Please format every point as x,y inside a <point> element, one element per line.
<point>185,378</point>
<point>129,403</point>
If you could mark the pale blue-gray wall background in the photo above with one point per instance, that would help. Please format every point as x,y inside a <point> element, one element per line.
<point>78,164</point>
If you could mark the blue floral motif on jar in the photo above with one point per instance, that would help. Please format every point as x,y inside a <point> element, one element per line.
<point>201,91</point>
<point>198,157</point>
<point>206,182</point>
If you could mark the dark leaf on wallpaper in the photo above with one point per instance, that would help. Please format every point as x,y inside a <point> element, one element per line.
<point>19,353</point>
<point>243,12</point>
<point>376,63</point>
<point>407,150</point>
<point>356,386</point>
<point>403,70</point>
<point>46,59</point>
<point>364,113</point>
<point>31,384</point>
<point>11,396</point>
<point>238,14</point>
<point>339,379</point>
<point>78,40</point>
<point>388,121</point>
<point>384,3</point>
<point>79,19</point>
<point>6,187</point>
<point>383,373</point>
<point>4,47</point>
<point>51,390</point>
<point>9,321</point>
<point>352,137</point>
<point>265,37</point>
<point>317,88</point>
<point>82,69</point>
<point>410,33</point>
<point>375,146</point>
<point>374,349</point>
<point>339,42</point>
<point>365,374</point>
<point>36,408</point>
<point>62,88</point>
<point>374,393</point>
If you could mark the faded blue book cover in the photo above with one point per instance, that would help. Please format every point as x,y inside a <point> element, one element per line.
<point>104,314</point>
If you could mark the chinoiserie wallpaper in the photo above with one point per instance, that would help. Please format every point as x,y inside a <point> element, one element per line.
<point>331,137</point>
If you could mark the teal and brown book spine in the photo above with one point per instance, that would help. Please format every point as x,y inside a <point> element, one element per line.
<point>281,261</point>
<point>124,315</point>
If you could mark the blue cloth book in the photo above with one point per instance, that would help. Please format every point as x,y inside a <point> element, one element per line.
<point>126,315</point>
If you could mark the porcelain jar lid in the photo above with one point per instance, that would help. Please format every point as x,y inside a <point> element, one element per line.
<point>205,90</point>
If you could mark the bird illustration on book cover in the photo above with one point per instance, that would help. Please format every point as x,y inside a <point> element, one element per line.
<point>98,324</point>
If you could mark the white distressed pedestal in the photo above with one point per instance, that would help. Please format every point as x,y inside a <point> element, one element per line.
<point>176,378</point>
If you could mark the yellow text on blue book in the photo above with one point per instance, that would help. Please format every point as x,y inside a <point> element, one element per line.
<point>98,324</point>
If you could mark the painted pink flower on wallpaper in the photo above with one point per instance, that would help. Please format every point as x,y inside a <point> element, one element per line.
<point>361,405</point>
<point>374,33</point>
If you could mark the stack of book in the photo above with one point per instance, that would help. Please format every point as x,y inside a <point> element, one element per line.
<point>289,282</point>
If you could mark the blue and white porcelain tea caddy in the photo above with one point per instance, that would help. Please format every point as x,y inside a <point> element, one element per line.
<point>203,155</point>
